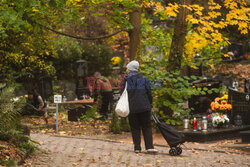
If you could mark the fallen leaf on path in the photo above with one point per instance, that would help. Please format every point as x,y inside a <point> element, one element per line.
<point>179,158</point>
<point>92,160</point>
<point>82,153</point>
<point>62,132</point>
<point>42,131</point>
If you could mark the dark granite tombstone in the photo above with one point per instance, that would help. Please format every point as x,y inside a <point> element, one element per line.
<point>45,87</point>
<point>69,90</point>
<point>225,80</point>
<point>240,105</point>
<point>81,81</point>
<point>201,103</point>
<point>236,48</point>
<point>247,85</point>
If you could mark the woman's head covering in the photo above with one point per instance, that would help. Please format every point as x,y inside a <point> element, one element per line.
<point>133,65</point>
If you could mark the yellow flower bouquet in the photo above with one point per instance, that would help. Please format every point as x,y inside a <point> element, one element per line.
<point>116,60</point>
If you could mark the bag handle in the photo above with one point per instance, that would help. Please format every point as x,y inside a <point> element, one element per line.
<point>156,120</point>
<point>125,89</point>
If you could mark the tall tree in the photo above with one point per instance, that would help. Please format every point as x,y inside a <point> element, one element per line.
<point>178,40</point>
<point>26,48</point>
<point>207,22</point>
<point>135,32</point>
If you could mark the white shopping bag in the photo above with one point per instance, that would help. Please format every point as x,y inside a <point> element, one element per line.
<point>122,106</point>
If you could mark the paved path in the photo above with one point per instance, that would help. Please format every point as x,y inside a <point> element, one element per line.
<point>79,151</point>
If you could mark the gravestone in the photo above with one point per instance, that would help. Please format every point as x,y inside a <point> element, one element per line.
<point>81,80</point>
<point>45,87</point>
<point>240,104</point>
<point>69,90</point>
<point>225,80</point>
<point>236,48</point>
<point>247,85</point>
<point>201,103</point>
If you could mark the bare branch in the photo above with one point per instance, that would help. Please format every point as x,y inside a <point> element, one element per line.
<point>79,37</point>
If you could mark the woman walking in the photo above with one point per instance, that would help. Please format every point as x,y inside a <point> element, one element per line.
<point>140,102</point>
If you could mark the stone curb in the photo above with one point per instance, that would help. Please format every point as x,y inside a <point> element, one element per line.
<point>204,149</point>
<point>87,138</point>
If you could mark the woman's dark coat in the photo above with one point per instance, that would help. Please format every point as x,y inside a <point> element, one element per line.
<point>139,92</point>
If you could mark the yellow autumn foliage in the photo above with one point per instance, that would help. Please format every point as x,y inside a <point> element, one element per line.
<point>208,24</point>
<point>195,42</point>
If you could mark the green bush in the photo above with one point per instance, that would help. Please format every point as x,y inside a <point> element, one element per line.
<point>10,109</point>
<point>115,125</point>
<point>69,52</point>
<point>27,146</point>
<point>98,57</point>
<point>10,162</point>
<point>173,89</point>
<point>10,127</point>
<point>124,124</point>
<point>91,114</point>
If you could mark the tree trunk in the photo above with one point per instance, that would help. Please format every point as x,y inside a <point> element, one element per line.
<point>176,49</point>
<point>178,40</point>
<point>134,34</point>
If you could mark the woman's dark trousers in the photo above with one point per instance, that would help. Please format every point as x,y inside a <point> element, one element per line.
<point>141,122</point>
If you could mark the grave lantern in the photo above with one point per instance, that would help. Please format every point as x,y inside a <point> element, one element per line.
<point>186,122</point>
<point>199,123</point>
<point>204,123</point>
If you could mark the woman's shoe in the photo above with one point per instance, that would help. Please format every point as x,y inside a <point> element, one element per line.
<point>137,151</point>
<point>152,151</point>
